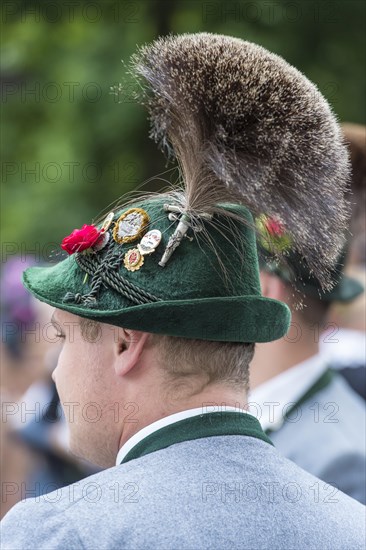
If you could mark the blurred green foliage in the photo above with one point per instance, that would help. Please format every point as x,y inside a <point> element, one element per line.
<point>70,146</point>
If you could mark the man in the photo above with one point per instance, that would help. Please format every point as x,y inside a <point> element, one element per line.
<point>301,403</point>
<point>154,373</point>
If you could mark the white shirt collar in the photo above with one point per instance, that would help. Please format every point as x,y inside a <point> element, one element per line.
<point>343,348</point>
<point>147,430</point>
<point>270,401</point>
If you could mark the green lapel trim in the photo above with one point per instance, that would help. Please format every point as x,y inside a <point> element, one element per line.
<point>321,383</point>
<point>197,427</point>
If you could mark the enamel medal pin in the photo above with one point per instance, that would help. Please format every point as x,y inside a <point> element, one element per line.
<point>134,258</point>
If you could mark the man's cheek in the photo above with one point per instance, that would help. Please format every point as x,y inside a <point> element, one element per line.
<point>67,391</point>
<point>53,375</point>
<point>71,411</point>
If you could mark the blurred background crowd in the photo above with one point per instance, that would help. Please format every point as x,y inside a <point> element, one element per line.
<point>73,140</point>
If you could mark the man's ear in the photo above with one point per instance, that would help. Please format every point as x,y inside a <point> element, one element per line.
<point>272,286</point>
<point>128,349</point>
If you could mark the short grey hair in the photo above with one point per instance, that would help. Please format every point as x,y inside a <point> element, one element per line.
<point>225,362</point>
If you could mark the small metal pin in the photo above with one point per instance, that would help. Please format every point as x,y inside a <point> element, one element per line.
<point>175,239</point>
<point>181,230</point>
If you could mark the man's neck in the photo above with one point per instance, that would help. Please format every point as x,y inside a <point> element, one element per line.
<point>216,397</point>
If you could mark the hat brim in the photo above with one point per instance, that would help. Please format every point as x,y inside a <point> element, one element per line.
<point>345,290</point>
<point>228,319</point>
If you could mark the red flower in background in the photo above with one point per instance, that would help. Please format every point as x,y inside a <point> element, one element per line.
<point>274,227</point>
<point>81,239</point>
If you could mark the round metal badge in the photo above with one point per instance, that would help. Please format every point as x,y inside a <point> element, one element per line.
<point>133,260</point>
<point>149,242</point>
<point>130,225</point>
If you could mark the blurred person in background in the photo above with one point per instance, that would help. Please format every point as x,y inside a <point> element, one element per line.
<point>16,460</point>
<point>35,456</point>
<point>344,341</point>
<point>22,347</point>
<point>309,410</point>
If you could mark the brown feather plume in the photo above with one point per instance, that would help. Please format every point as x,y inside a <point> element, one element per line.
<point>246,126</point>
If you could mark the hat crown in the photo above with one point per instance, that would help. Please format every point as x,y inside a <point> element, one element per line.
<point>218,260</point>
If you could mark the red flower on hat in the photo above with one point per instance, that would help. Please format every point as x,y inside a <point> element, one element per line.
<point>81,239</point>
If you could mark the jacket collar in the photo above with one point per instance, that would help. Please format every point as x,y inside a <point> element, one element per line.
<point>187,426</point>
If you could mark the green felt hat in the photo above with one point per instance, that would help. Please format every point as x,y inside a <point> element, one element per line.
<point>251,135</point>
<point>293,269</point>
<point>197,294</point>
<point>345,288</point>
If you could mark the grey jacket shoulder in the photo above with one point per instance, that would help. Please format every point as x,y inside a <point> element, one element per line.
<point>209,493</point>
<point>326,437</point>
